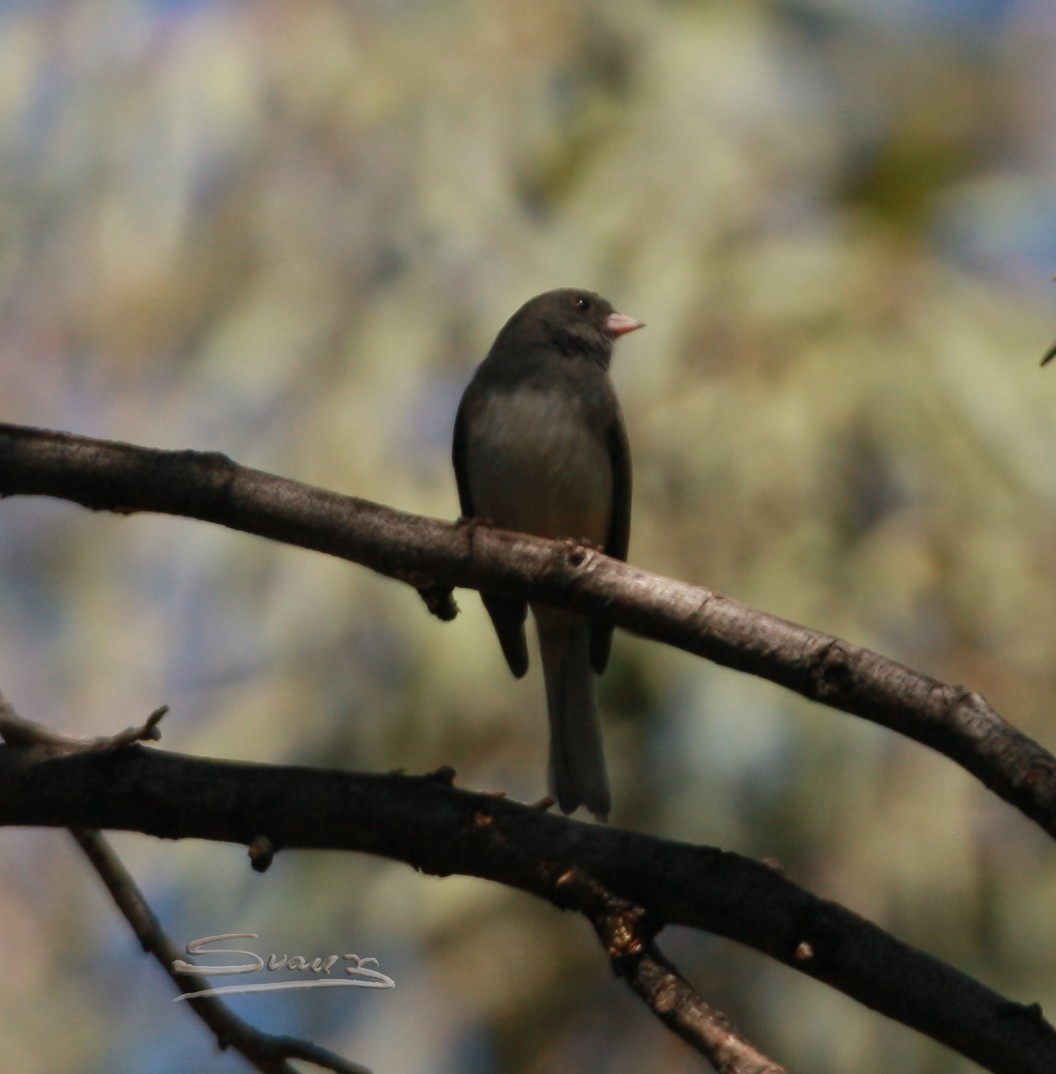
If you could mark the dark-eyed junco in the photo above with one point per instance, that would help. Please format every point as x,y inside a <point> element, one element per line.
<point>540,448</point>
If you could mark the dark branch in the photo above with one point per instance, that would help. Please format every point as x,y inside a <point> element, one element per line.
<point>15,730</point>
<point>268,1053</point>
<point>434,556</point>
<point>627,935</point>
<point>439,829</point>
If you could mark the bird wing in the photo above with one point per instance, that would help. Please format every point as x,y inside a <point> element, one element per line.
<point>507,615</point>
<point>619,530</point>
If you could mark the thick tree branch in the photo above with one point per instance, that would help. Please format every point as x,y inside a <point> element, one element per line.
<point>634,956</point>
<point>439,829</point>
<point>434,556</point>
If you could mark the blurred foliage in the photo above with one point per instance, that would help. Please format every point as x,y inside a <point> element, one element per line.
<point>288,232</point>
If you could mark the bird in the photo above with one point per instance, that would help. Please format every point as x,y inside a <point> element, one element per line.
<point>540,448</point>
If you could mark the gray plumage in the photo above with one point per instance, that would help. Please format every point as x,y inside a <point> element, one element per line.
<point>540,448</point>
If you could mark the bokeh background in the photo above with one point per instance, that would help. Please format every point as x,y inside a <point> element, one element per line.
<point>288,231</point>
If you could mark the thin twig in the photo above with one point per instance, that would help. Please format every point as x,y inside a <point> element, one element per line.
<point>268,1053</point>
<point>627,936</point>
<point>16,730</point>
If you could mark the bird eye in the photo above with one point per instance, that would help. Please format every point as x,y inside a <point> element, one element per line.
<point>582,304</point>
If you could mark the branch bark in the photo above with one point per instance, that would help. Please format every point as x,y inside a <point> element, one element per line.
<point>434,556</point>
<point>627,933</point>
<point>438,829</point>
<point>634,956</point>
<point>265,1051</point>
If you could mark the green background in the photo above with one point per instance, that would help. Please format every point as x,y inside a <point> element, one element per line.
<point>288,231</point>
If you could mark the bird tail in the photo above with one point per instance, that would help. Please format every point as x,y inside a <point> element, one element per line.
<point>577,761</point>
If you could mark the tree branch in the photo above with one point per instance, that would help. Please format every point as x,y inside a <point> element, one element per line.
<point>267,1052</point>
<point>626,933</point>
<point>439,829</point>
<point>633,954</point>
<point>433,556</point>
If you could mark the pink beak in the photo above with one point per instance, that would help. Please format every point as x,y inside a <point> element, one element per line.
<point>618,324</point>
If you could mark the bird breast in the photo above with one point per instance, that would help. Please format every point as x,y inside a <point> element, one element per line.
<point>535,464</point>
